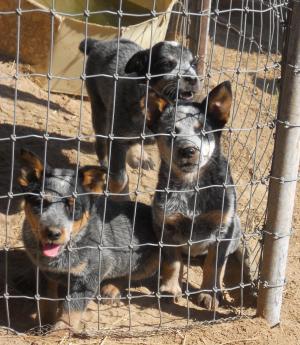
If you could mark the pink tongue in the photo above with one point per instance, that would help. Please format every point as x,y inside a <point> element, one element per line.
<point>50,249</point>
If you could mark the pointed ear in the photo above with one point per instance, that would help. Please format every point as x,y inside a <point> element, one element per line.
<point>31,168</point>
<point>93,178</point>
<point>155,107</point>
<point>218,104</point>
<point>138,63</point>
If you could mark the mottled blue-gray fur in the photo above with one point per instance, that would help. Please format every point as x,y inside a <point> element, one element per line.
<point>84,263</point>
<point>197,161</point>
<point>133,61</point>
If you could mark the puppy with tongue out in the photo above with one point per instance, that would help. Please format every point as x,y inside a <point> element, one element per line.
<point>62,235</point>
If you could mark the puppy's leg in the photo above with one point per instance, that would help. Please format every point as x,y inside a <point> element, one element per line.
<point>135,158</point>
<point>48,308</point>
<point>71,311</point>
<point>101,127</point>
<point>171,272</point>
<point>118,178</point>
<point>210,300</point>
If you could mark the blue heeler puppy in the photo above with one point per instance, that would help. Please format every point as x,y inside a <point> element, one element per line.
<point>206,212</point>
<point>62,234</point>
<point>167,60</point>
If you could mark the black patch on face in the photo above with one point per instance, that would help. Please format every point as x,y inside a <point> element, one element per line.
<point>74,209</point>
<point>77,208</point>
<point>163,65</point>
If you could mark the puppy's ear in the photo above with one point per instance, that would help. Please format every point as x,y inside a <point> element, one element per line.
<point>31,168</point>
<point>93,178</point>
<point>218,104</point>
<point>138,63</point>
<point>155,107</point>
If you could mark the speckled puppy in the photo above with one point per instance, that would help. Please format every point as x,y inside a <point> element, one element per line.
<point>167,60</point>
<point>210,210</point>
<point>49,231</point>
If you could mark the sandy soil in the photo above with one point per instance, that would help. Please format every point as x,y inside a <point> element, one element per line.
<point>248,147</point>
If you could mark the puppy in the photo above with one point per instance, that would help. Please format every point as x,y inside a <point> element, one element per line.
<point>83,239</point>
<point>198,213</point>
<point>168,60</point>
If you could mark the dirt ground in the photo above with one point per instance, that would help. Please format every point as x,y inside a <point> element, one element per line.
<point>249,149</point>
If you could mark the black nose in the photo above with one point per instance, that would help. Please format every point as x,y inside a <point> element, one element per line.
<point>53,234</point>
<point>187,152</point>
<point>191,80</point>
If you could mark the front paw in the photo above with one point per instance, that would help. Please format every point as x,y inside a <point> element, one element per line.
<point>134,158</point>
<point>171,288</point>
<point>61,328</point>
<point>147,163</point>
<point>210,301</point>
<point>68,320</point>
<point>111,293</point>
<point>59,325</point>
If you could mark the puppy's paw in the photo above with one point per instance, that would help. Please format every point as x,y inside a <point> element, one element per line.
<point>111,293</point>
<point>61,328</point>
<point>147,163</point>
<point>121,186</point>
<point>208,300</point>
<point>171,288</point>
<point>134,158</point>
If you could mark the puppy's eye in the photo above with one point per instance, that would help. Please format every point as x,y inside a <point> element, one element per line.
<point>170,64</point>
<point>73,205</point>
<point>36,201</point>
<point>198,126</point>
<point>195,62</point>
<point>177,130</point>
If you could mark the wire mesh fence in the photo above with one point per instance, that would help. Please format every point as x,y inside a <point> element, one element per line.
<point>242,44</point>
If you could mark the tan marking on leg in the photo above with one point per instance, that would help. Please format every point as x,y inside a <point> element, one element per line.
<point>48,309</point>
<point>171,275</point>
<point>116,186</point>
<point>209,300</point>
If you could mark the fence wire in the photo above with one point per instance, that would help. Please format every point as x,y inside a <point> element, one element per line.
<point>244,46</point>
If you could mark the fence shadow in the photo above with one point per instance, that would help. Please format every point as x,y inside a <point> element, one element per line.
<point>55,157</point>
<point>254,24</point>
<point>9,92</point>
<point>267,85</point>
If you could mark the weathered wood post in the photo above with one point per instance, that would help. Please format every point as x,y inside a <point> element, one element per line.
<point>283,180</point>
<point>199,29</point>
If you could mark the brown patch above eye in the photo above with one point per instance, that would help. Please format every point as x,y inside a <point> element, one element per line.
<point>198,126</point>
<point>33,220</point>
<point>70,201</point>
<point>80,223</point>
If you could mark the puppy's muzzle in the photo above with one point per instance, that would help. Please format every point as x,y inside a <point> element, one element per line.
<point>191,80</point>
<point>53,234</point>
<point>187,152</point>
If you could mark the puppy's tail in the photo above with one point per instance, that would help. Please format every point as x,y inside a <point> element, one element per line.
<point>90,44</point>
